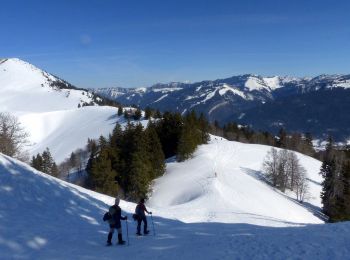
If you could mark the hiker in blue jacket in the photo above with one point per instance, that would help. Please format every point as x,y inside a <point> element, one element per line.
<point>114,222</point>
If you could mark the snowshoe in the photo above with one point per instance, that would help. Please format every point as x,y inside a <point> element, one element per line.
<point>108,244</point>
<point>146,232</point>
<point>138,234</point>
<point>120,240</point>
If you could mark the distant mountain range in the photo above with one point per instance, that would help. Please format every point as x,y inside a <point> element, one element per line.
<point>319,105</point>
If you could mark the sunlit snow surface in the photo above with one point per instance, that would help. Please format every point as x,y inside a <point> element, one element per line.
<point>50,116</point>
<point>223,182</point>
<point>198,216</point>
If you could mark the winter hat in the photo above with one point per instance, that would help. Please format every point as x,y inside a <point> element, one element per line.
<point>117,200</point>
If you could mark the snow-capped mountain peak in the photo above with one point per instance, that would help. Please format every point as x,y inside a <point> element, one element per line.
<point>24,87</point>
<point>50,109</point>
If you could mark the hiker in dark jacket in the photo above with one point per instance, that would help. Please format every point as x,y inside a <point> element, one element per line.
<point>141,216</point>
<point>114,222</point>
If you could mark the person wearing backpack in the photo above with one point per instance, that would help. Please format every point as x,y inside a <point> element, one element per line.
<point>141,217</point>
<point>114,222</point>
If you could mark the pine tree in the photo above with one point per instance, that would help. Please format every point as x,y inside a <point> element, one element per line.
<point>328,172</point>
<point>92,146</point>
<point>128,145</point>
<point>154,149</point>
<point>120,111</point>
<point>158,114</point>
<point>73,160</point>
<point>47,161</point>
<point>148,113</point>
<point>169,132</point>
<point>37,162</point>
<point>308,147</point>
<point>187,144</point>
<point>346,190</point>
<point>204,128</point>
<point>140,167</point>
<point>126,114</point>
<point>140,171</point>
<point>102,176</point>
<point>137,114</point>
<point>282,138</point>
<point>116,136</point>
<point>102,142</point>
<point>54,170</point>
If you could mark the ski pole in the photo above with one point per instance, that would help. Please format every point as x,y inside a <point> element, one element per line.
<point>154,231</point>
<point>127,231</point>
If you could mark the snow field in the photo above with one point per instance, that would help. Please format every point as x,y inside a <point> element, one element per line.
<point>191,192</point>
<point>42,217</point>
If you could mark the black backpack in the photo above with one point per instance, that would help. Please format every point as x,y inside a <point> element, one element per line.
<point>135,217</point>
<point>107,216</point>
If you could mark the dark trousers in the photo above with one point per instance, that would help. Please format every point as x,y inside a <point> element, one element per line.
<point>139,221</point>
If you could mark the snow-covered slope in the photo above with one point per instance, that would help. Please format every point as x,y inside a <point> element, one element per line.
<point>42,217</point>
<point>47,108</point>
<point>64,131</point>
<point>223,182</point>
<point>25,88</point>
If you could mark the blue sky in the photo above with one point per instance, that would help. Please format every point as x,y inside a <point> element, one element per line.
<point>104,43</point>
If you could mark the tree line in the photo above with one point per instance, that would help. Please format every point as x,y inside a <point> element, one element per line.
<point>45,163</point>
<point>335,171</point>
<point>291,141</point>
<point>128,160</point>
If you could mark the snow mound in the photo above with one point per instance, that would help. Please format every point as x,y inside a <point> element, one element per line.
<point>223,183</point>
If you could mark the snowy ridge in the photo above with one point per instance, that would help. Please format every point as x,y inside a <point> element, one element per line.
<point>225,88</point>
<point>27,88</point>
<point>165,90</point>
<point>254,83</point>
<point>263,99</point>
<point>264,83</point>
